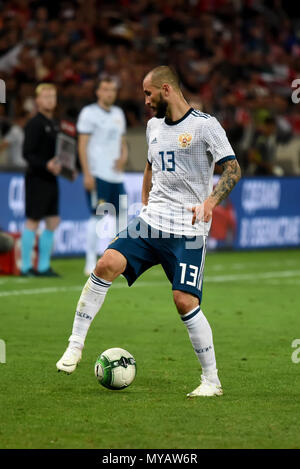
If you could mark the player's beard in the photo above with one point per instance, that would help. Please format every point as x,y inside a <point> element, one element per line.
<point>161,108</point>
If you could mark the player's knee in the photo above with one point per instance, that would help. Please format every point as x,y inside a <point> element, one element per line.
<point>52,223</point>
<point>110,265</point>
<point>184,302</point>
<point>56,223</point>
<point>32,224</point>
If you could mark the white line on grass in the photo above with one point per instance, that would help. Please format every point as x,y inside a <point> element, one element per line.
<point>252,276</point>
<point>213,279</point>
<point>37,291</point>
<point>287,281</point>
<point>247,265</point>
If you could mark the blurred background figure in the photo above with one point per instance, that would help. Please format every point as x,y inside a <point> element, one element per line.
<point>41,187</point>
<point>262,152</point>
<point>103,155</point>
<point>6,242</point>
<point>13,140</point>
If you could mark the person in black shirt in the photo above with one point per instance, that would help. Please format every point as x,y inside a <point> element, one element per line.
<point>41,188</point>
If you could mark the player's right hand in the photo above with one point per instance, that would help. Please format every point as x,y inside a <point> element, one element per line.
<point>53,166</point>
<point>89,182</point>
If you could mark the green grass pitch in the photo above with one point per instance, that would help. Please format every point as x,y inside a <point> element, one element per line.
<point>252,302</point>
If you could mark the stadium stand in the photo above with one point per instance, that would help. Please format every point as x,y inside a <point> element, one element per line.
<point>236,60</point>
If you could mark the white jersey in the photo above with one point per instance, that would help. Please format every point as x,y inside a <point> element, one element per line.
<point>106,129</point>
<point>183,155</point>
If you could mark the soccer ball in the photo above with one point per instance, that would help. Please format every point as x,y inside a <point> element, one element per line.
<point>115,368</point>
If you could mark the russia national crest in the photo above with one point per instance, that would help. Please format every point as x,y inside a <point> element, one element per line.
<point>185,140</point>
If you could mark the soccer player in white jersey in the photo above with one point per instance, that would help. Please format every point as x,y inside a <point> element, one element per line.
<point>103,154</point>
<point>178,198</point>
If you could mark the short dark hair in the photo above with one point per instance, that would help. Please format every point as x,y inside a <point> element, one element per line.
<point>107,79</point>
<point>164,74</point>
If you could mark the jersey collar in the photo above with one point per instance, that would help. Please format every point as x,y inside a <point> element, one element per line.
<point>102,108</point>
<point>169,122</point>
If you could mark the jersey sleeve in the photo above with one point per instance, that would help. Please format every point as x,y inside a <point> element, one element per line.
<point>217,142</point>
<point>123,124</point>
<point>85,124</point>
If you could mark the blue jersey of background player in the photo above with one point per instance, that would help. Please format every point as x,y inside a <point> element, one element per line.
<point>178,197</point>
<point>102,152</point>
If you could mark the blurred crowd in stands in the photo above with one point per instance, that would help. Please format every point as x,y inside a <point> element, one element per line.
<point>236,59</point>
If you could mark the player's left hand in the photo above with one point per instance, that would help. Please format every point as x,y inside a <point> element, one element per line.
<point>202,212</point>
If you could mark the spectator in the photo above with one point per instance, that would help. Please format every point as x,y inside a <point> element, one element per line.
<point>262,152</point>
<point>234,57</point>
<point>13,141</point>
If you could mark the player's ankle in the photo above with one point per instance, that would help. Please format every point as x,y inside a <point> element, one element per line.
<point>75,346</point>
<point>211,376</point>
<point>76,342</point>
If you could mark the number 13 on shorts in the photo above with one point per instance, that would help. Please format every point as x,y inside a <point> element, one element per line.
<point>190,275</point>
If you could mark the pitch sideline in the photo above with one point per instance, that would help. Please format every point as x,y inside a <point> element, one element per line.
<point>286,274</point>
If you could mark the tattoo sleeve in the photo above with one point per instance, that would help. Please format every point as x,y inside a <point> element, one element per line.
<point>230,176</point>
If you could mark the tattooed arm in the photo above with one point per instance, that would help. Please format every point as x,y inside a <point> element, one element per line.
<point>230,176</point>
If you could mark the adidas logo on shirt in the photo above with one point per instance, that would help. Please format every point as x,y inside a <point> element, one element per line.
<point>154,141</point>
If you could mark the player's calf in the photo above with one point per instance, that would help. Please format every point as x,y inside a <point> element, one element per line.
<point>184,301</point>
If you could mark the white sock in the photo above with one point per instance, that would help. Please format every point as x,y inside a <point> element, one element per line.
<point>201,337</point>
<point>91,245</point>
<point>90,301</point>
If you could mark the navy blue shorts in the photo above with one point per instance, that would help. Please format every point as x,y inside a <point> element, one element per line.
<point>182,258</point>
<point>106,192</point>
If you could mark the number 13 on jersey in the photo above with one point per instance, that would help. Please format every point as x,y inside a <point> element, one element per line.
<point>167,160</point>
